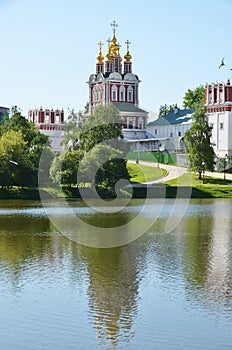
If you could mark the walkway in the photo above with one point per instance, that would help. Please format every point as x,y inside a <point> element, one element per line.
<point>174,172</point>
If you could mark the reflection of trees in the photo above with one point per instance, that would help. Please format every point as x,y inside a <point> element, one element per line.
<point>219,279</point>
<point>113,290</point>
<point>21,245</point>
<point>196,250</point>
<point>207,258</point>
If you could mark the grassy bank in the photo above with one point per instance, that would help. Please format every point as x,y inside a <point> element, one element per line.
<point>211,188</point>
<point>186,184</point>
<point>142,173</point>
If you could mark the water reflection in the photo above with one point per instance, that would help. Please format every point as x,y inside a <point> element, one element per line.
<point>190,267</point>
<point>114,279</point>
<point>207,257</point>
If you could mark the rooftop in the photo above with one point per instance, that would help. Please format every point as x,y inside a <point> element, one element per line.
<point>176,117</point>
<point>128,107</point>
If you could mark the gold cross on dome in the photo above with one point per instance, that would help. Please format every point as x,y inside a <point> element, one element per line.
<point>127,44</point>
<point>100,44</point>
<point>114,25</point>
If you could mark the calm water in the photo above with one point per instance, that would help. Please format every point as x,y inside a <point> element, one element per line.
<point>163,291</point>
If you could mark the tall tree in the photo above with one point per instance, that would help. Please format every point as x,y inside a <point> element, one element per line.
<point>103,165</point>
<point>194,98</point>
<point>73,129</point>
<point>35,142</point>
<point>199,146</point>
<point>97,140</point>
<point>104,124</point>
<point>64,167</point>
<point>13,159</point>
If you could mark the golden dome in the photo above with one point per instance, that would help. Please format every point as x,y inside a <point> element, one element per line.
<point>100,56</point>
<point>128,56</point>
<point>109,56</point>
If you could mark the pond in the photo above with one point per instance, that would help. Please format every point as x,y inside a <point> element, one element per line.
<point>164,290</point>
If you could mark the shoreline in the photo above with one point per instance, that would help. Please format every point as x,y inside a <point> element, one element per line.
<point>139,191</point>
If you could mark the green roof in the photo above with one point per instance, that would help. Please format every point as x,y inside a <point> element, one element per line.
<point>128,107</point>
<point>179,117</point>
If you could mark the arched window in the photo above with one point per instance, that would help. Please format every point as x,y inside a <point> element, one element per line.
<point>130,94</point>
<point>141,123</point>
<point>122,93</point>
<point>114,96</point>
<point>57,118</point>
<point>94,95</point>
<point>98,94</point>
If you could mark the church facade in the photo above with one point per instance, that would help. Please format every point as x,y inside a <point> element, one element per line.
<point>114,82</point>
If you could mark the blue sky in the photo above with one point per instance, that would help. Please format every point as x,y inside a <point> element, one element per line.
<point>49,48</point>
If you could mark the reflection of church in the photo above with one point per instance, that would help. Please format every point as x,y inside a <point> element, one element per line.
<point>113,291</point>
<point>115,83</point>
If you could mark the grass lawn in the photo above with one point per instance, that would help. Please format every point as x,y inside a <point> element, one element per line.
<point>211,188</point>
<point>143,173</point>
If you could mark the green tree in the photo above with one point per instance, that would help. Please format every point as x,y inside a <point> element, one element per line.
<point>26,173</point>
<point>13,160</point>
<point>97,139</point>
<point>104,124</point>
<point>64,167</point>
<point>72,129</point>
<point>199,147</point>
<point>194,98</point>
<point>86,108</point>
<point>103,165</point>
<point>165,109</point>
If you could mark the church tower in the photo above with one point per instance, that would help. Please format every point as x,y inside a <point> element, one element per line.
<point>114,82</point>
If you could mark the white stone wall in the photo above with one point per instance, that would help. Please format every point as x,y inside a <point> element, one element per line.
<point>168,130</point>
<point>56,137</point>
<point>221,124</point>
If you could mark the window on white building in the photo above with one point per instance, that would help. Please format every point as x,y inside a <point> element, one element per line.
<point>114,96</point>
<point>122,93</point>
<point>46,118</point>
<point>171,134</point>
<point>141,123</point>
<point>57,119</point>
<point>130,94</point>
<point>156,132</point>
<point>221,126</point>
<point>179,133</point>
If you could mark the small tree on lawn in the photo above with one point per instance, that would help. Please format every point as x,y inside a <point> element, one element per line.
<point>199,146</point>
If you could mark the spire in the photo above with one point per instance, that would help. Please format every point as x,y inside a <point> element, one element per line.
<point>109,58</point>
<point>109,55</point>
<point>114,25</point>
<point>100,59</point>
<point>100,56</point>
<point>128,56</point>
<point>114,48</point>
